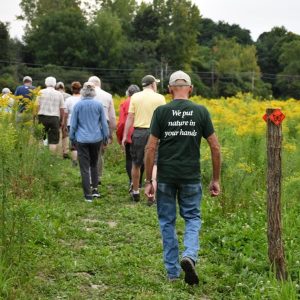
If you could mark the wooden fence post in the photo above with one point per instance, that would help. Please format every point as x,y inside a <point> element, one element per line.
<point>274,117</point>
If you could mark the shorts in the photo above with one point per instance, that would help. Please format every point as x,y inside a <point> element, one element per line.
<point>139,140</point>
<point>51,128</point>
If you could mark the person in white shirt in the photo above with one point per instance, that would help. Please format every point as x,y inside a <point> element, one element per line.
<point>6,94</point>
<point>107,101</point>
<point>69,105</point>
<point>51,112</point>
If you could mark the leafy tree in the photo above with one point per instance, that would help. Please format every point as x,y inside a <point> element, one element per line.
<point>165,36</point>
<point>288,81</point>
<point>108,48</point>
<point>209,31</point>
<point>178,33</point>
<point>145,41</point>
<point>203,68</point>
<point>146,23</point>
<point>236,68</point>
<point>32,10</point>
<point>9,51</point>
<point>60,38</point>
<point>123,9</point>
<point>4,41</point>
<point>241,35</point>
<point>269,49</point>
<point>107,40</point>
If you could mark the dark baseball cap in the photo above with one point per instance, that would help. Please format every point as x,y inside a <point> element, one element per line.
<point>149,79</point>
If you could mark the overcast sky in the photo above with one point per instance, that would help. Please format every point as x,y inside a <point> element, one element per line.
<point>256,15</point>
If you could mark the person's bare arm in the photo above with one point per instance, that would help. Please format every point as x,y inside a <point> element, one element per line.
<point>149,163</point>
<point>112,120</point>
<point>62,116</point>
<point>214,145</point>
<point>128,125</point>
<point>112,116</point>
<point>38,106</point>
<point>66,115</point>
<point>62,110</point>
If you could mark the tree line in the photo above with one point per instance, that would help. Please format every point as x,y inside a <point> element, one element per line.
<point>122,40</point>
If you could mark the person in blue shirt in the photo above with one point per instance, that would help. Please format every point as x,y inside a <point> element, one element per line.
<point>89,129</point>
<point>24,91</point>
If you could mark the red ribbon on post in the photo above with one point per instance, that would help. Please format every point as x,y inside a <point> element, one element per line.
<point>276,117</point>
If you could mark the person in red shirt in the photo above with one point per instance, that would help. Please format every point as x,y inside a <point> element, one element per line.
<point>132,89</point>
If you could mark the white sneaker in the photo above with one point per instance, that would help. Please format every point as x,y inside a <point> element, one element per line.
<point>95,193</point>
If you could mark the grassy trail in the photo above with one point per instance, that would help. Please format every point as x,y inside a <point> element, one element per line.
<point>111,249</point>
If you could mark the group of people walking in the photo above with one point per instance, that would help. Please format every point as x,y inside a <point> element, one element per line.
<point>162,139</point>
<point>89,123</point>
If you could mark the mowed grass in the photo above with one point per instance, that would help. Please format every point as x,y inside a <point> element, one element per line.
<point>112,249</point>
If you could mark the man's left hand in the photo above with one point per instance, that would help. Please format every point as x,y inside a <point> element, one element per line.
<point>214,188</point>
<point>150,192</point>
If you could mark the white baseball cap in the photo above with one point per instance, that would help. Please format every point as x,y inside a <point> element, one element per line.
<point>50,81</point>
<point>179,75</point>
<point>6,91</point>
<point>27,78</point>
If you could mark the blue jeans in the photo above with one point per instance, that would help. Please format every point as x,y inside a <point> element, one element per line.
<point>189,199</point>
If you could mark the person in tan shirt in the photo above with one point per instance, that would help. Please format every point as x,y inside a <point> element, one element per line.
<point>64,137</point>
<point>142,106</point>
<point>106,100</point>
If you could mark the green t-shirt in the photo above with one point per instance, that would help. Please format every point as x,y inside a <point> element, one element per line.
<point>180,125</point>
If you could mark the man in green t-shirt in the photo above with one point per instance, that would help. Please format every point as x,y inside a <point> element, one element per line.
<point>179,127</point>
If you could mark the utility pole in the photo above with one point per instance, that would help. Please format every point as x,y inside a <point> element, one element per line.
<point>161,76</point>
<point>253,81</point>
<point>166,69</point>
<point>212,78</point>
